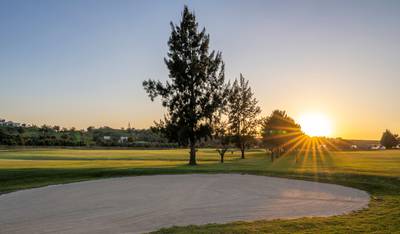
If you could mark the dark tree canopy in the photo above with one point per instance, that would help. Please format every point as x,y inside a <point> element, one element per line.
<point>280,132</point>
<point>242,113</point>
<point>389,140</point>
<point>195,89</point>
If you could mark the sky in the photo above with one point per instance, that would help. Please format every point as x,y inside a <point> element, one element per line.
<point>82,63</point>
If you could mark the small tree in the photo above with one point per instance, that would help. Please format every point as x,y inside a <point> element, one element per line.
<point>222,135</point>
<point>278,130</point>
<point>195,89</point>
<point>90,129</point>
<point>56,128</point>
<point>242,113</point>
<point>389,140</point>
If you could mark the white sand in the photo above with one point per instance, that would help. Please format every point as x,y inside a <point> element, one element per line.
<point>147,203</point>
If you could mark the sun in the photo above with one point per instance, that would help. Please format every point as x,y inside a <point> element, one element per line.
<point>315,124</point>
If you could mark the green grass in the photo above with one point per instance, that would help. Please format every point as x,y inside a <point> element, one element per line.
<point>377,172</point>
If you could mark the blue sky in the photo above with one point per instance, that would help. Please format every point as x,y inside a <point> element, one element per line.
<point>81,63</point>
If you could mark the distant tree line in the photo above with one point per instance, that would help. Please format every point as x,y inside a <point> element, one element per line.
<point>104,136</point>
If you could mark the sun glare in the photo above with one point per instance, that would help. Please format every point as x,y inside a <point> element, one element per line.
<point>315,124</point>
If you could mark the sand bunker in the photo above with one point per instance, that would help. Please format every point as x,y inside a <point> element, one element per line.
<point>147,203</point>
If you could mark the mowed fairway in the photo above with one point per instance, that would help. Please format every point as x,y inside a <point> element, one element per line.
<point>377,172</point>
<point>64,158</point>
<point>359,162</point>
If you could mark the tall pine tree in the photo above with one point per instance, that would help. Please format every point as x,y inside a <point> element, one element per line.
<point>195,89</point>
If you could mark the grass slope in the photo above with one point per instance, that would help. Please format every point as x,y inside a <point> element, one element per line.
<point>377,172</point>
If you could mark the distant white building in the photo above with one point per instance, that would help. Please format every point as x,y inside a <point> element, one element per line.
<point>123,139</point>
<point>377,147</point>
<point>107,138</point>
<point>3,122</point>
<point>353,147</point>
<point>16,124</point>
<point>374,147</point>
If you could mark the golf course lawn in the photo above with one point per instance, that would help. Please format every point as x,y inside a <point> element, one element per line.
<point>377,172</point>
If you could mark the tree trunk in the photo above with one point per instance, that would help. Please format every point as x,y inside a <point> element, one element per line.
<point>192,160</point>
<point>278,154</point>
<point>222,157</point>
<point>242,150</point>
